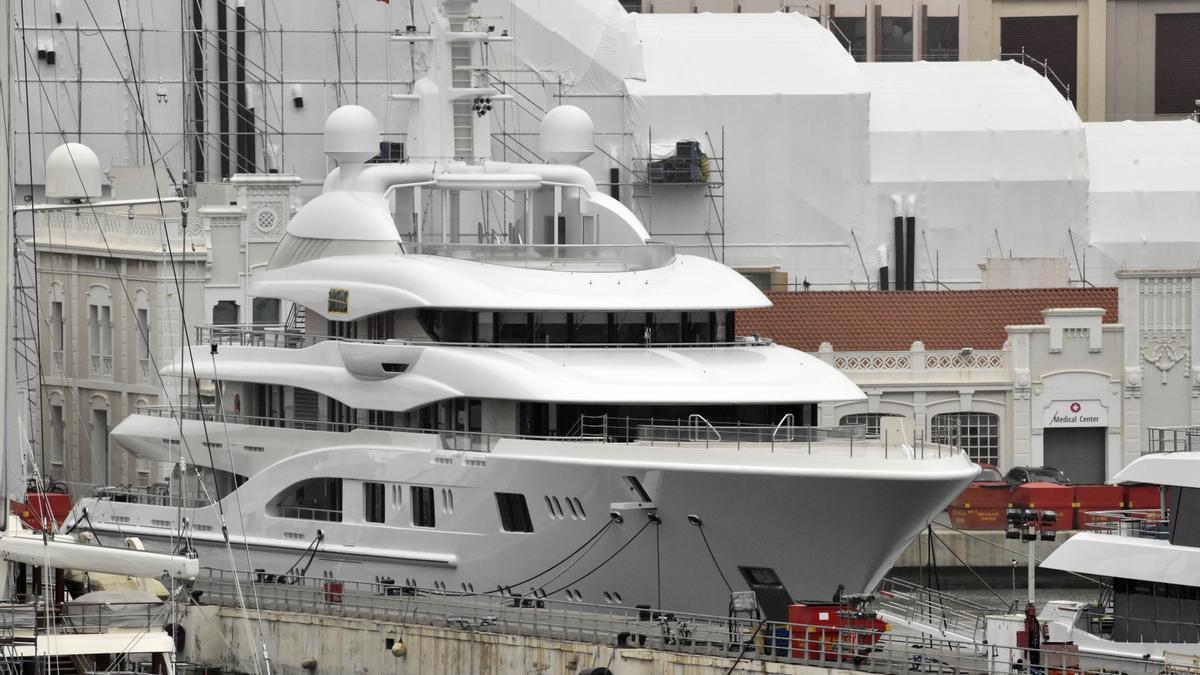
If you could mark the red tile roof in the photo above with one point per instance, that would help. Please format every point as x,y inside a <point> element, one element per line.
<point>881,320</point>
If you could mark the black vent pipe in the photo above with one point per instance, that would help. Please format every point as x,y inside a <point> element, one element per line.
<point>898,251</point>
<point>223,145</point>
<point>883,278</point>
<point>245,123</point>
<point>198,165</point>
<point>910,252</point>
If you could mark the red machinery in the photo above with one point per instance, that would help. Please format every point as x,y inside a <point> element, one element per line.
<point>845,631</point>
<point>43,510</point>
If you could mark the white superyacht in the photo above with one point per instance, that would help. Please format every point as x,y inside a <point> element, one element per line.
<point>493,380</point>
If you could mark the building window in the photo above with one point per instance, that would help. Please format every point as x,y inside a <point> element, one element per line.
<point>514,512</point>
<point>868,420</point>
<point>373,511</point>
<point>225,313</point>
<point>941,38</point>
<point>265,310</point>
<point>895,41</point>
<point>851,31</point>
<point>978,434</point>
<point>57,436</point>
<point>56,325</point>
<point>422,507</point>
<point>100,339</point>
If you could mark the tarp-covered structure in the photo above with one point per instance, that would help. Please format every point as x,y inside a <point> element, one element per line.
<point>812,154</point>
<point>1144,198</point>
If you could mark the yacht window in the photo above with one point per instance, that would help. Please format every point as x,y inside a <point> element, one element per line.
<point>381,326</point>
<point>551,328</point>
<point>373,511</point>
<point>312,499</point>
<point>422,506</point>
<point>668,327</point>
<point>1185,516</point>
<point>343,329</point>
<point>514,327</point>
<point>487,327</point>
<point>590,328</point>
<point>449,325</point>
<point>514,512</point>
<point>631,327</point>
<point>697,327</point>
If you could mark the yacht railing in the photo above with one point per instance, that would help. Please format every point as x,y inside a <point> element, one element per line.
<point>1137,523</point>
<point>842,440</point>
<point>573,257</point>
<point>87,618</point>
<point>278,337</point>
<point>310,513</point>
<point>153,495</point>
<point>1105,623</point>
<point>1172,439</point>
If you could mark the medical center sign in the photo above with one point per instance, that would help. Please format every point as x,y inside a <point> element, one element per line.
<point>1076,414</point>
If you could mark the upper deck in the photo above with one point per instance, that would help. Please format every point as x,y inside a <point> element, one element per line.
<point>560,257</point>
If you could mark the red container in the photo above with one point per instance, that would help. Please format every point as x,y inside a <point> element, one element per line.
<point>40,509</point>
<point>1093,498</point>
<point>1048,497</point>
<point>333,591</point>
<point>985,496</point>
<point>1142,497</point>
<point>831,633</point>
<point>983,518</point>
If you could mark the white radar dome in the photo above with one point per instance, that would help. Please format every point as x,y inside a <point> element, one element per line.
<point>72,172</point>
<point>568,135</point>
<point>351,135</point>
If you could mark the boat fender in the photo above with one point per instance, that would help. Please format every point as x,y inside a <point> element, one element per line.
<point>399,649</point>
<point>309,664</point>
<point>596,671</point>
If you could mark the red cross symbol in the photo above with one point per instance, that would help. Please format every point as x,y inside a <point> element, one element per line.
<point>1075,407</point>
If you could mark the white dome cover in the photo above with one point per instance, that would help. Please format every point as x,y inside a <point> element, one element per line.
<point>351,134</point>
<point>568,134</point>
<point>73,172</point>
<point>344,215</point>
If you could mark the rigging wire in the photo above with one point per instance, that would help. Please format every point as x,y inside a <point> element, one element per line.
<point>700,526</point>
<point>606,560</point>
<point>570,555</point>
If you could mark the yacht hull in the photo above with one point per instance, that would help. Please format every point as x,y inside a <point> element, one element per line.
<point>816,521</point>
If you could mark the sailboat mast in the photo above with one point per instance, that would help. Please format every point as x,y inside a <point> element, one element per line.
<point>6,254</point>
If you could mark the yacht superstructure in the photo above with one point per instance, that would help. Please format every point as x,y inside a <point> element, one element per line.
<point>492,379</point>
<point>1152,558</point>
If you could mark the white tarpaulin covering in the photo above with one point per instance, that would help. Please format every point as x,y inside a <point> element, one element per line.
<point>809,152</point>
<point>791,107</point>
<point>1145,193</point>
<point>988,155</point>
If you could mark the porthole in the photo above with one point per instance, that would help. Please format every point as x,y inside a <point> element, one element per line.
<point>618,598</point>
<point>571,506</point>
<point>550,507</point>
<point>579,507</point>
<point>558,507</point>
<point>608,597</point>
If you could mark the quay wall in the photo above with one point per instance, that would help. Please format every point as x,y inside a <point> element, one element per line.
<point>987,553</point>
<point>304,644</point>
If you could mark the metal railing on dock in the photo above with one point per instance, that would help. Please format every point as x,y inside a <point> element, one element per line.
<point>1136,523</point>
<point>498,613</point>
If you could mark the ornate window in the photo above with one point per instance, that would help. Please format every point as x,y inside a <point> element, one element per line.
<point>976,433</point>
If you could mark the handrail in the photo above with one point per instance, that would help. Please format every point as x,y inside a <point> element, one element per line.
<point>785,418</point>
<point>693,422</point>
<point>268,336</point>
<point>862,645</point>
<point>574,257</point>
<point>615,431</point>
